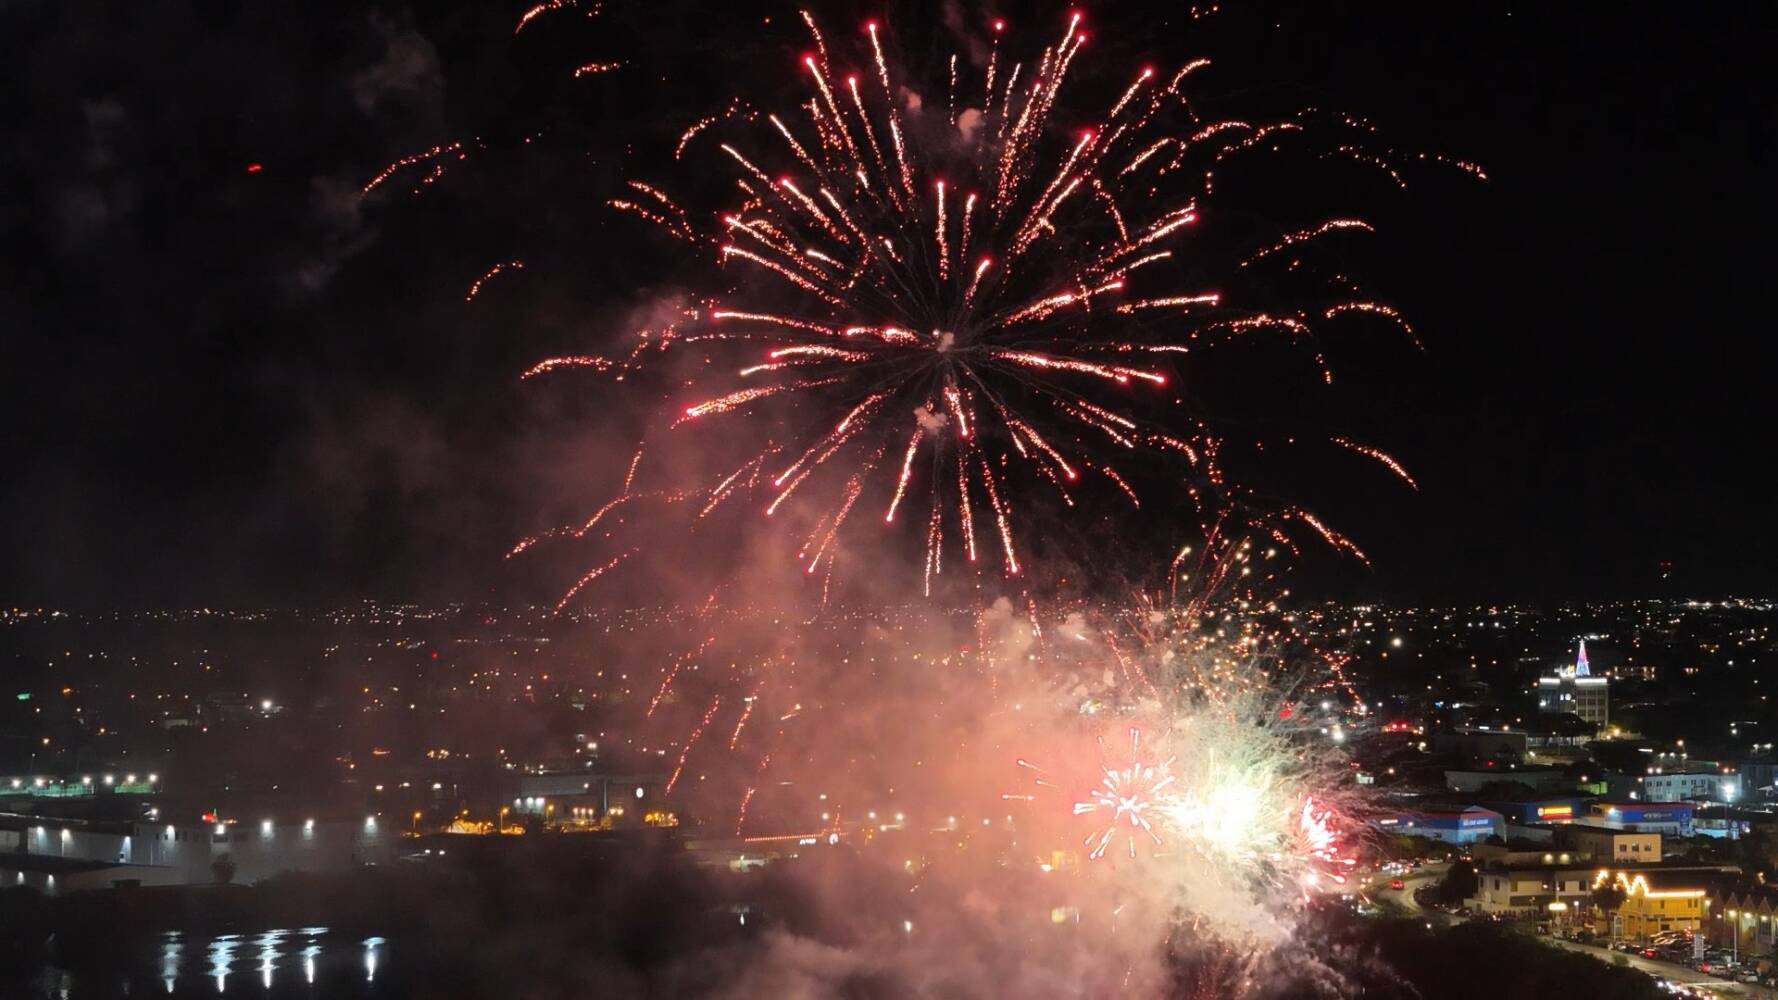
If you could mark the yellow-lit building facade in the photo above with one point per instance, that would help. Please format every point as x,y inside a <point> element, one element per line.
<point>1654,902</point>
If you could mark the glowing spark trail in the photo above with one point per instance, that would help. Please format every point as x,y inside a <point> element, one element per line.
<point>408,161</point>
<point>1381,456</point>
<point>476,287</point>
<point>589,577</point>
<point>673,672</point>
<point>543,8</point>
<point>692,741</point>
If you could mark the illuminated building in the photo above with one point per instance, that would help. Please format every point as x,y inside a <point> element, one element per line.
<point>1759,774</point>
<point>1575,691</point>
<point>1537,890</point>
<point>1611,846</point>
<point>83,854</point>
<point>1705,782</point>
<point>1654,901</point>
<point>1540,811</point>
<point>1453,826</point>
<point>1671,818</point>
<point>570,796</point>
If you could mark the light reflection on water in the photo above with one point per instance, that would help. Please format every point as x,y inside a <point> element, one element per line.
<point>277,960</point>
<point>301,963</point>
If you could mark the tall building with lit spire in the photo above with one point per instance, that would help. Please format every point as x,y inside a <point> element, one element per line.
<point>1575,691</point>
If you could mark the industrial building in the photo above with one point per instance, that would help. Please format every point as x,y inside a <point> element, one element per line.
<point>1671,818</point>
<point>61,855</point>
<point>1465,825</point>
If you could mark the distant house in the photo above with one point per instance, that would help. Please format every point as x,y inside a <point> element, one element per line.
<point>1744,918</point>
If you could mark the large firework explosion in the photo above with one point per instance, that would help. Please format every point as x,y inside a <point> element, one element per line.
<point>970,310</point>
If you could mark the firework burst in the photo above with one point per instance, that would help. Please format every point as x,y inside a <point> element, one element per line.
<point>1226,812</point>
<point>1127,799</point>
<point>970,304</point>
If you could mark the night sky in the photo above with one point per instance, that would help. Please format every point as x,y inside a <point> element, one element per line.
<point>228,381</point>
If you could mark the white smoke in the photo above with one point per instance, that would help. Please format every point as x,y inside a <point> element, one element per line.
<point>930,419</point>
<point>969,122</point>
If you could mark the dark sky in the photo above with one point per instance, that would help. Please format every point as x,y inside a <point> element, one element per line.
<point>230,386</point>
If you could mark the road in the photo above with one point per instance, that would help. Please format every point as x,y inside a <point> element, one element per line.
<point>1677,973</point>
<point>1403,898</point>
